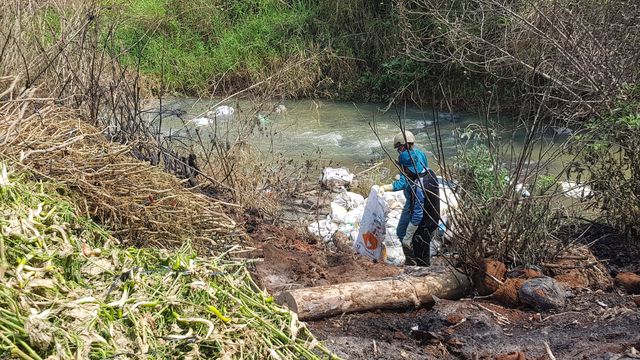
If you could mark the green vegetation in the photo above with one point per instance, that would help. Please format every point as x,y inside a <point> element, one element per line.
<point>610,159</point>
<point>69,290</point>
<point>201,46</point>
<point>191,45</point>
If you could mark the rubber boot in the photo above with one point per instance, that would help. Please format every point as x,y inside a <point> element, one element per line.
<point>421,250</point>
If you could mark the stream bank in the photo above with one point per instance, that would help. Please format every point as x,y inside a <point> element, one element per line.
<point>594,323</point>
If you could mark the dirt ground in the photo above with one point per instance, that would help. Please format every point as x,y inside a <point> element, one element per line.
<point>594,324</point>
<point>293,259</point>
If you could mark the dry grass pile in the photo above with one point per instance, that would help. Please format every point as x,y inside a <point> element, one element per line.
<point>139,202</point>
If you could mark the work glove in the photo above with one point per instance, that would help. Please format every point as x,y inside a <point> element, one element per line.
<point>407,240</point>
<point>386,187</point>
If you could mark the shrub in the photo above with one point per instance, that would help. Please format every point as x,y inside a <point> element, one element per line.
<point>494,219</point>
<point>609,156</point>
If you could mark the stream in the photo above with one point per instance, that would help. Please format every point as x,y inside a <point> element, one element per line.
<point>333,133</point>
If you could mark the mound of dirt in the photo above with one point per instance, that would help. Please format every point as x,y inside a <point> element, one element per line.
<point>578,267</point>
<point>629,281</point>
<point>293,259</point>
<point>507,293</point>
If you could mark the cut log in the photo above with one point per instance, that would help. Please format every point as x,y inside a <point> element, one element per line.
<point>400,292</point>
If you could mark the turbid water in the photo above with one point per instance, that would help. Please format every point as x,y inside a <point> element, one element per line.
<point>338,133</point>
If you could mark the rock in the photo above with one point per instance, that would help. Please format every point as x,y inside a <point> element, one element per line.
<point>543,293</point>
<point>483,280</point>
<point>629,281</point>
<point>507,293</point>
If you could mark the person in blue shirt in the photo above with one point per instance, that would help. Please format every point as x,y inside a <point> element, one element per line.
<point>421,212</point>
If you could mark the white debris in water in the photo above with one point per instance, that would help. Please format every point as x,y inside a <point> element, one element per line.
<point>563,131</point>
<point>223,110</point>
<point>575,190</point>
<point>520,188</point>
<point>202,121</point>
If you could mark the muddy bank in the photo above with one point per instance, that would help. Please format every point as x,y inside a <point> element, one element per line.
<point>593,324</point>
<point>294,259</point>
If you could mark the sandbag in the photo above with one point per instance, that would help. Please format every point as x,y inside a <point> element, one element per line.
<point>349,200</point>
<point>324,228</point>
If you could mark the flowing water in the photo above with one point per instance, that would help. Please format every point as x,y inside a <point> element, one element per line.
<point>339,133</point>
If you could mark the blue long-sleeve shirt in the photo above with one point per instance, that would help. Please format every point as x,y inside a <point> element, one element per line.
<point>411,189</point>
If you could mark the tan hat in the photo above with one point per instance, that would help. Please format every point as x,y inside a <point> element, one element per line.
<point>399,139</point>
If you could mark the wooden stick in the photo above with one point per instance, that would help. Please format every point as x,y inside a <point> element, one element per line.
<point>548,349</point>
<point>369,169</point>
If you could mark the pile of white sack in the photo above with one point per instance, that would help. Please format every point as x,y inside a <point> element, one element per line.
<point>347,210</point>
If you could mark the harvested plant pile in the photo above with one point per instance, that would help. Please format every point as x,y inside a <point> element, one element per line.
<point>134,199</point>
<point>66,291</point>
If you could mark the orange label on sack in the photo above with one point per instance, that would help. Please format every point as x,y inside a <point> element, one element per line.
<point>370,241</point>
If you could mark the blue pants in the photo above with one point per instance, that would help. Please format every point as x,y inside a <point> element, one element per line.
<point>405,217</point>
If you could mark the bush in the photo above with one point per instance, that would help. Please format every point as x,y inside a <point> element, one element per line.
<point>190,46</point>
<point>494,217</point>
<point>609,156</point>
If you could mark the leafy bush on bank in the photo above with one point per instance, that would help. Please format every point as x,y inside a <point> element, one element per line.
<point>609,159</point>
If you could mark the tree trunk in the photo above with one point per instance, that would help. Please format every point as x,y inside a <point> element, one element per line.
<point>400,292</point>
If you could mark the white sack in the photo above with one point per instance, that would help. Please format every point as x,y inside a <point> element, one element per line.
<point>349,200</point>
<point>336,177</point>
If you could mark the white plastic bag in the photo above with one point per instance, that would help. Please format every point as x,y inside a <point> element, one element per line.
<point>392,250</point>
<point>372,240</point>
<point>372,228</point>
<point>336,177</point>
<point>349,200</point>
<point>323,228</point>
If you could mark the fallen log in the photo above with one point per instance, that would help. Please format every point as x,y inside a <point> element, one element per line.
<point>399,292</point>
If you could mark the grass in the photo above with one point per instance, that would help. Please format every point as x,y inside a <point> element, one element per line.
<point>192,45</point>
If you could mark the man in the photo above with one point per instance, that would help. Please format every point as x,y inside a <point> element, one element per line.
<point>421,213</point>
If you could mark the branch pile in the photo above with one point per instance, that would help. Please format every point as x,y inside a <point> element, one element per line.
<point>134,199</point>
